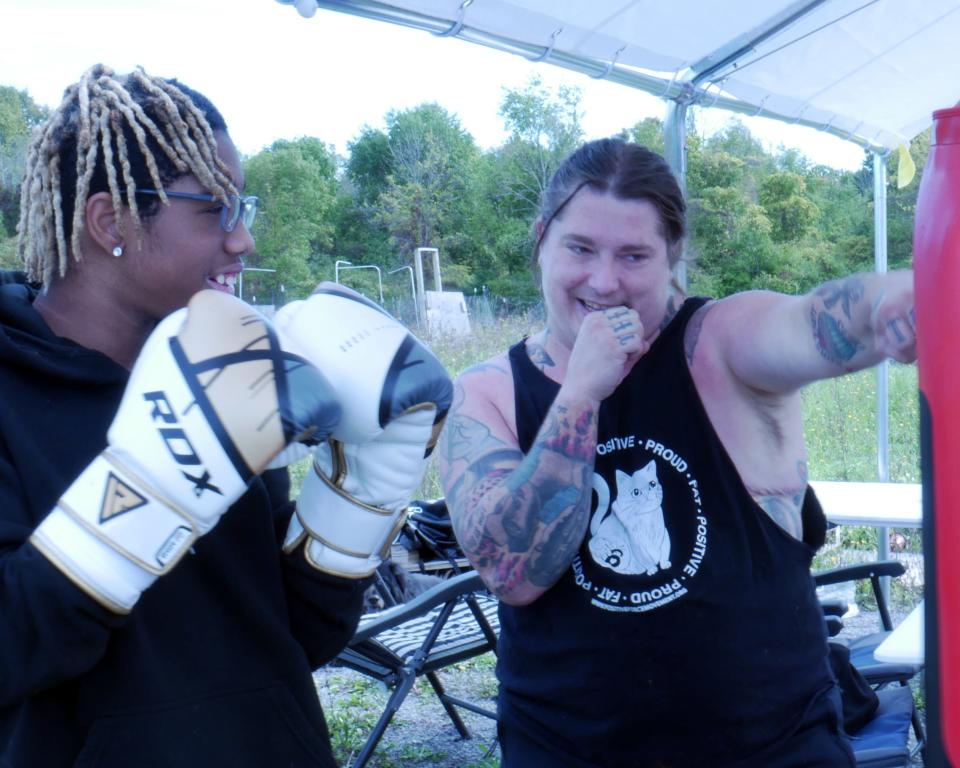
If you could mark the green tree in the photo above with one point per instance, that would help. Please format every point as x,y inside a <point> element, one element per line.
<point>544,127</point>
<point>357,236</point>
<point>8,250</point>
<point>370,164</point>
<point>735,139</point>
<point>498,237</point>
<point>762,220</point>
<point>714,169</point>
<point>649,133</point>
<point>19,114</point>
<point>297,186</point>
<point>426,200</point>
<point>731,241</point>
<point>360,237</point>
<point>844,226</point>
<point>789,210</point>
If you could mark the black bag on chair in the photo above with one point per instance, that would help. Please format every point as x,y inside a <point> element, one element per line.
<point>860,701</point>
<point>429,531</point>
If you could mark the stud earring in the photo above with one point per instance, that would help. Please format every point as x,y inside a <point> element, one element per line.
<point>117,251</point>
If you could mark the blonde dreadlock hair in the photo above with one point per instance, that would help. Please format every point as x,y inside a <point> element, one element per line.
<point>112,133</point>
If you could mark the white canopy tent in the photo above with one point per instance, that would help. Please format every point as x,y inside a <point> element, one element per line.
<point>869,71</point>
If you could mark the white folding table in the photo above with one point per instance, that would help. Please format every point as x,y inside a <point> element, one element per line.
<point>881,505</point>
<point>905,644</point>
<point>884,505</point>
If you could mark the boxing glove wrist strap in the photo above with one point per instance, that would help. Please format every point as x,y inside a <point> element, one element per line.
<point>344,535</point>
<point>113,534</point>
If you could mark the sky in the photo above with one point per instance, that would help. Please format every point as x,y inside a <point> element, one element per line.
<point>275,75</point>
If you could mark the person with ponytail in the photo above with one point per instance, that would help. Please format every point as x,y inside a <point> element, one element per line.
<point>631,482</point>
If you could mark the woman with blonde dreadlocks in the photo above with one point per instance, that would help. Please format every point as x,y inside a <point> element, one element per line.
<point>132,204</point>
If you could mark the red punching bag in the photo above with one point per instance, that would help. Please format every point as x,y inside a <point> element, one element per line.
<point>936,269</point>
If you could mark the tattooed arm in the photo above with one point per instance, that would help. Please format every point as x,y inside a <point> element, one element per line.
<point>520,518</point>
<point>751,353</point>
<point>778,343</point>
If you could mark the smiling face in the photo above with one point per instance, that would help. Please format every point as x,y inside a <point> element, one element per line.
<point>603,252</point>
<point>183,248</point>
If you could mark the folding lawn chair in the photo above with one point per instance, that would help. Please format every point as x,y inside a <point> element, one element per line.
<point>890,680</point>
<point>862,648</point>
<point>884,741</point>
<point>454,621</point>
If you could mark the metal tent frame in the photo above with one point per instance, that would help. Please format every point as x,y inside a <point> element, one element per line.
<point>857,69</point>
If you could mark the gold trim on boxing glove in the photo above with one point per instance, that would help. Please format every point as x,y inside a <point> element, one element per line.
<point>425,405</point>
<point>59,563</point>
<point>333,571</point>
<point>338,464</point>
<point>298,539</point>
<point>434,436</point>
<point>383,555</point>
<point>401,519</point>
<point>318,538</point>
<point>333,486</point>
<point>437,425</point>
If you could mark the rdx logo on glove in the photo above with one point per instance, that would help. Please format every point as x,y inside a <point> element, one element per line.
<point>178,444</point>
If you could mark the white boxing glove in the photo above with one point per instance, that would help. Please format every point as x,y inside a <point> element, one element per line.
<point>211,400</point>
<point>395,395</point>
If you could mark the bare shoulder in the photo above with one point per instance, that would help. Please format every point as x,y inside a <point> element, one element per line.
<point>755,334</point>
<point>485,385</point>
<point>727,343</point>
<point>482,416</point>
<point>493,372</point>
<point>694,329</point>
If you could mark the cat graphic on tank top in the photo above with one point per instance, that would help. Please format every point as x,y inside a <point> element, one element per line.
<point>632,538</point>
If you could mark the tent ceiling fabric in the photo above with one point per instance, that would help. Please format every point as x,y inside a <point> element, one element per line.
<point>871,71</point>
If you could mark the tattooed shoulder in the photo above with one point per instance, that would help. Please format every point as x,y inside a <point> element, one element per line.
<point>671,312</point>
<point>496,365</point>
<point>692,333</point>
<point>784,512</point>
<point>465,438</point>
<point>539,356</point>
<point>833,340</point>
<point>487,383</point>
<point>842,294</point>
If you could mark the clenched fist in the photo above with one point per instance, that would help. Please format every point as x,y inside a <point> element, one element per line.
<point>893,319</point>
<point>608,345</point>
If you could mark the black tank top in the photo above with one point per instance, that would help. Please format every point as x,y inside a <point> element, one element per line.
<point>687,631</point>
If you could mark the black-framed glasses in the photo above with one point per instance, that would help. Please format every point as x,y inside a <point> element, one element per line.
<point>238,208</point>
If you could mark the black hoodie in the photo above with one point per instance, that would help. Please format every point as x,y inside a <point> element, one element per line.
<point>213,665</point>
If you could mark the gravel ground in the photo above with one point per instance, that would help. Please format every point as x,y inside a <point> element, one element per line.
<point>422,736</point>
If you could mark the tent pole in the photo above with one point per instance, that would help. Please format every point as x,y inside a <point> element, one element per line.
<point>880,265</point>
<point>675,152</point>
<point>883,370</point>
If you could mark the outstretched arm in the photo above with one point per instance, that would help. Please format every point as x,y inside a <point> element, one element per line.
<point>776,343</point>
